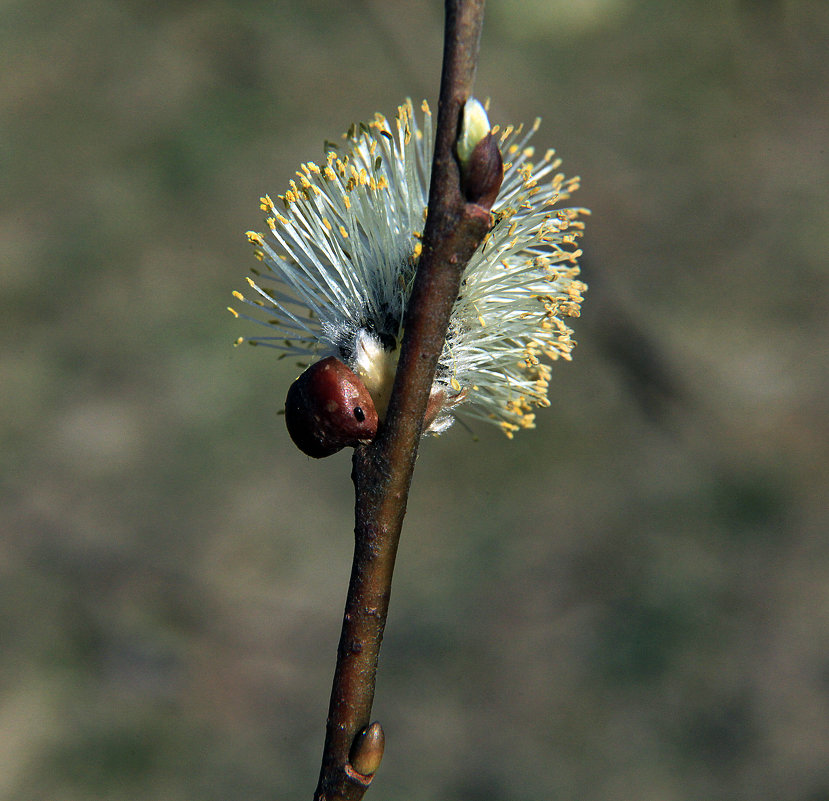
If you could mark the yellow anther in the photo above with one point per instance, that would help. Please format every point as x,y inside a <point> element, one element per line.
<point>233,311</point>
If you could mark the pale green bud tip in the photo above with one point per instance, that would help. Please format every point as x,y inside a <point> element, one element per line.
<point>475,127</point>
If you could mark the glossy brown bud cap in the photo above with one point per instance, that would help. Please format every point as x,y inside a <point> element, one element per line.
<point>329,408</point>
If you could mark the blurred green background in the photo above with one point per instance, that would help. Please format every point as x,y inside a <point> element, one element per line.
<point>631,602</point>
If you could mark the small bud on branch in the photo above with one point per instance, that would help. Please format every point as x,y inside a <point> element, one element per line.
<point>482,168</point>
<point>367,751</point>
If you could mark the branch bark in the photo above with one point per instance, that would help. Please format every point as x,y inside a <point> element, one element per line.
<point>382,471</point>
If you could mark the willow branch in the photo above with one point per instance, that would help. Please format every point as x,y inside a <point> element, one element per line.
<point>382,470</point>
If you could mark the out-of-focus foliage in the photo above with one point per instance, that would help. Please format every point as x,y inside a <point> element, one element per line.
<point>630,603</point>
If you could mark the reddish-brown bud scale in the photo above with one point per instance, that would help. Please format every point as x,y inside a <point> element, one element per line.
<point>328,408</point>
<point>483,173</point>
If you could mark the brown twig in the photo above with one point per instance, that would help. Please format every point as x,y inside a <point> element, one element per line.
<point>382,471</point>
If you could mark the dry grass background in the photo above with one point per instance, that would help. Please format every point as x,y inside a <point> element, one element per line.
<point>630,603</point>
